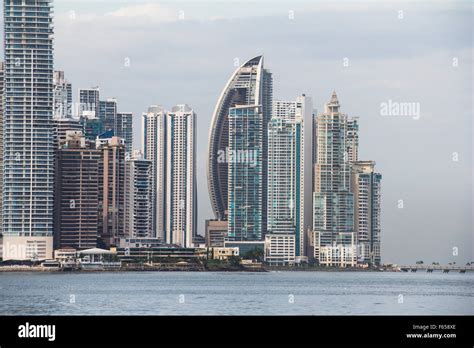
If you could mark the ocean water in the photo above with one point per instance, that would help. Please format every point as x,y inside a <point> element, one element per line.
<point>242,293</point>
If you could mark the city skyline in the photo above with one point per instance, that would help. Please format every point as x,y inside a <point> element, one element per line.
<point>393,198</point>
<point>166,161</point>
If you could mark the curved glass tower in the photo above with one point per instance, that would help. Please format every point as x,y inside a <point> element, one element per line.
<point>250,84</point>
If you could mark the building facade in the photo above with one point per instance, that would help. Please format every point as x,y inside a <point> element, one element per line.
<point>290,165</point>
<point>154,149</point>
<point>333,219</point>
<point>250,84</point>
<point>76,192</point>
<point>280,249</point>
<point>366,187</point>
<point>124,129</point>
<point>62,126</point>
<point>62,96</point>
<point>246,180</point>
<point>108,114</point>
<point>89,102</point>
<point>28,168</point>
<point>138,194</point>
<point>2,81</point>
<point>92,125</point>
<point>181,194</point>
<point>216,233</point>
<point>111,190</point>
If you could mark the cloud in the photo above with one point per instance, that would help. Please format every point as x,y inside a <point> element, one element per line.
<point>151,11</point>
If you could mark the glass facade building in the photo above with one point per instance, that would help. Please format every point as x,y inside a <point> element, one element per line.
<point>333,220</point>
<point>250,84</point>
<point>246,179</point>
<point>28,131</point>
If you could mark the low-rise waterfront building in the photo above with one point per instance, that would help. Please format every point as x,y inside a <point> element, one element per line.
<point>338,255</point>
<point>65,255</point>
<point>280,249</point>
<point>246,247</point>
<point>216,233</point>
<point>224,253</point>
<point>199,241</point>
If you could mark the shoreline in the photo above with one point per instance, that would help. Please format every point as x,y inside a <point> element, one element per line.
<point>201,268</point>
<point>186,269</point>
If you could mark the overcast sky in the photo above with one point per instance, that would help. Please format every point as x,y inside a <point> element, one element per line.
<point>184,52</point>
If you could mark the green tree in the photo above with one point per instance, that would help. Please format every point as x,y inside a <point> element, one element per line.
<point>254,254</point>
<point>234,261</point>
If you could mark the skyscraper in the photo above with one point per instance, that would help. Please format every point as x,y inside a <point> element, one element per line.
<point>154,147</point>
<point>111,189</point>
<point>2,72</point>
<point>124,129</point>
<point>138,194</point>
<point>108,114</point>
<point>366,187</point>
<point>245,182</point>
<point>250,84</point>
<point>92,125</point>
<point>333,220</point>
<point>28,131</point>
<point>290,160</point>
<point>352,133</point>
<point>181,207</point>
<point>62,96</point>
<point>89,102</point>
<point>284,193</point>
<point>76,192</point>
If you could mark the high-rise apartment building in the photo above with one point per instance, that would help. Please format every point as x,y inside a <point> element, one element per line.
<point>76,192</point>
<point>89,102</point>
<point>2,81</point>
<point>290,158</point>
<point>62,96</point>
<point>28,169</point>
<point>284,190</point>
<point>154,148</point>
<point>123,128</point>
<point>352,139</point>
<point>333,220</point>
<point>181,205</point>
<point>111,189</point>
<point>245,191</point>
<point>366,187</point>
<point>250,85</point>
<point>138,195</point>
<point>108,114</point>
<point>92,125</point>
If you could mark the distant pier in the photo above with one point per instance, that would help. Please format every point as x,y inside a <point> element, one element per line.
<point>441,268</point>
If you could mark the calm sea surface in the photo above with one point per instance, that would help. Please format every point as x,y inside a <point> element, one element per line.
<point>202,293</point>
